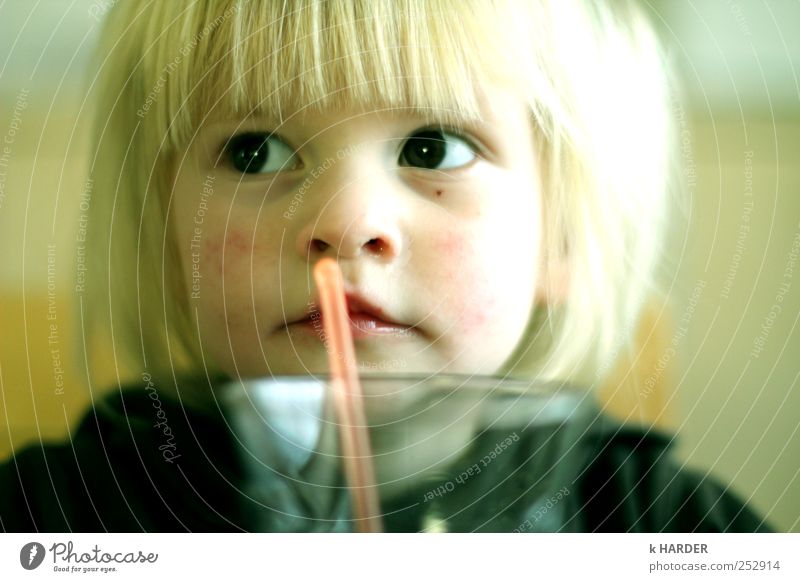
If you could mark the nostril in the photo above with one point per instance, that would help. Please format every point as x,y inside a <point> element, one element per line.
<point>376,245</point>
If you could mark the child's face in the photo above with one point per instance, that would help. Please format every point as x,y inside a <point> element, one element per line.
<point>437,229</point>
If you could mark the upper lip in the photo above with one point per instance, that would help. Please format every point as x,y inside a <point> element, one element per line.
<point>356,304</point>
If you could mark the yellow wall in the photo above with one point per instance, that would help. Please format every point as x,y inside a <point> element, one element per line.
<point>738,407</point>
<point>39,322</point>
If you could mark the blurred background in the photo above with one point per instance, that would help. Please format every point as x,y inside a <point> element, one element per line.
<point>719,366</point>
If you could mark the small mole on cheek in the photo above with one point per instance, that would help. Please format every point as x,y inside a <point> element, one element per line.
<point>439,192</point>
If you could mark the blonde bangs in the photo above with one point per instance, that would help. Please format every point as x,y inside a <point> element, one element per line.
<point>265,59</point>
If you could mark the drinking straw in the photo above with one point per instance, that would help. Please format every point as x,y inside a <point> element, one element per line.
<point>348,398</point>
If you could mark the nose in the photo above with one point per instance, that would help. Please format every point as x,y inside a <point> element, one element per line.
<point>358,221</point>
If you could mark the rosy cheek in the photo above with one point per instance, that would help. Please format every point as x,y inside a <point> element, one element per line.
<point>449,246</point>
<point>467,295</point>
<point>238,243</point>
<point>477,305</point>
<point>212,253</point>
<point>237,248</point>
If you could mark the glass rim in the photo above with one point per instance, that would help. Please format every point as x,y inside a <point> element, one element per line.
<point>455,381</point>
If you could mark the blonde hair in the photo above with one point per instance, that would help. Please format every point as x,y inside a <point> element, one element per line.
<point>592,73</point>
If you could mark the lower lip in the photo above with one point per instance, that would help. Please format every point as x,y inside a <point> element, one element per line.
<point>361,326</point>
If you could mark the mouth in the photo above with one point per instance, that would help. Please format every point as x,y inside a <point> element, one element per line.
<point>366,320</point>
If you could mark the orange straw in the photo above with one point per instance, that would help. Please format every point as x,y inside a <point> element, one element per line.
<point>347,395</point>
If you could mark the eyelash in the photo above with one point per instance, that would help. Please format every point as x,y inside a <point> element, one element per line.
<point>458,132</point>
<point>227,150</point>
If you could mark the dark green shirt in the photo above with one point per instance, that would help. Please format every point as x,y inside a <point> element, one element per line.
<point>122,472</point>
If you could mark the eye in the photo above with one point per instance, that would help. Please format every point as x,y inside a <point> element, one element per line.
<point>260,153</point>
<point>436,149</point>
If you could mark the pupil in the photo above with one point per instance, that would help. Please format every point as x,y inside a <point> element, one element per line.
<point>425,149</point>
<point>249,152</point>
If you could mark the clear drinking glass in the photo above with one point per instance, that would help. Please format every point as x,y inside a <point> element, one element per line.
<point>446,449</point>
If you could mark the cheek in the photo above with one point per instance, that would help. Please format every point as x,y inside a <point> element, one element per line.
<point>231,255</point>
<point>467,296</point>
<point>233,265</point>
